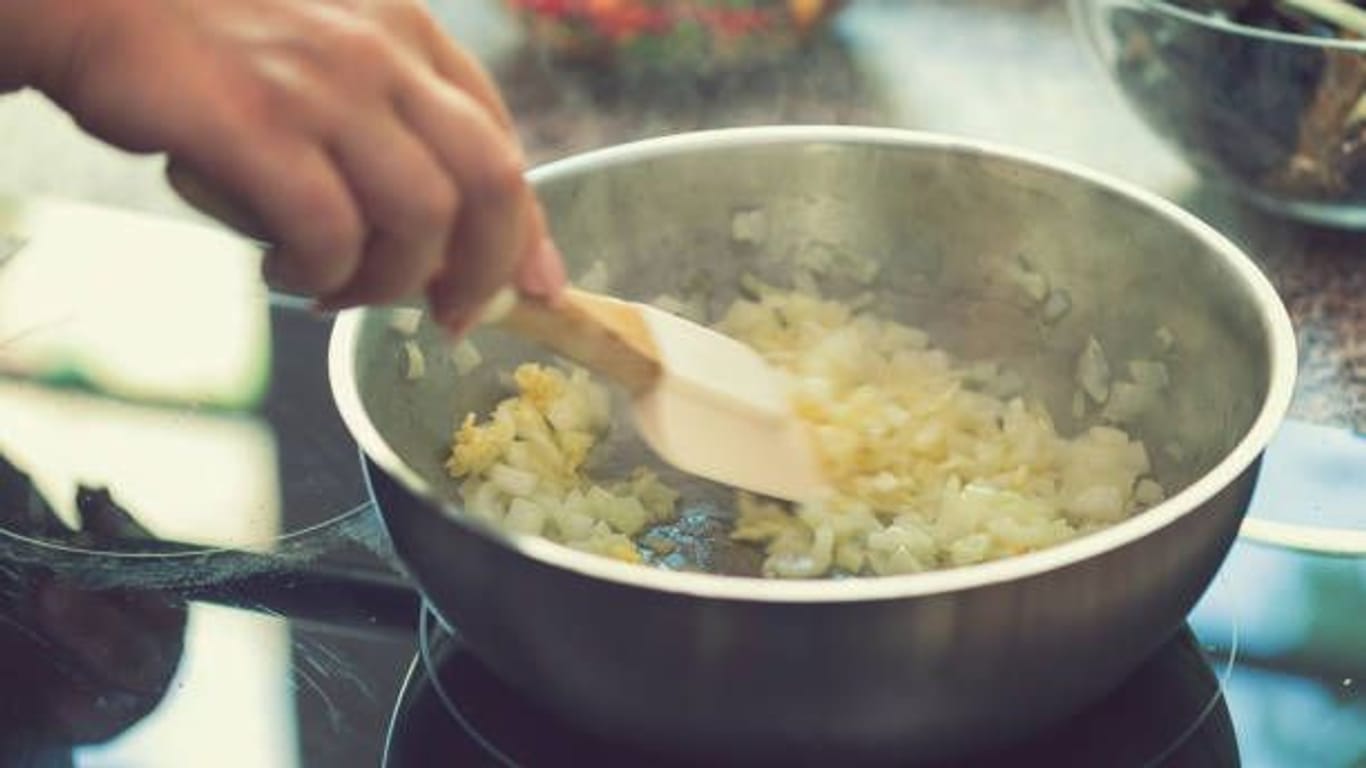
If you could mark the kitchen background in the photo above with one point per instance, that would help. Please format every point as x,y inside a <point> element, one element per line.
<point>1009,71</point>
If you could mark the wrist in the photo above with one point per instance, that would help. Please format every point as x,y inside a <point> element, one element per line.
<point>37,38</point>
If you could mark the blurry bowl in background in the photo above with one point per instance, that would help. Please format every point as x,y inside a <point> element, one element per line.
<point>700,37</point>
<point>1273,109</point>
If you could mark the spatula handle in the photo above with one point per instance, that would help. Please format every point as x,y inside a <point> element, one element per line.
<point>605,335</point>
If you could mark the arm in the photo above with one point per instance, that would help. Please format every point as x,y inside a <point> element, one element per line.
<point>373,152</point>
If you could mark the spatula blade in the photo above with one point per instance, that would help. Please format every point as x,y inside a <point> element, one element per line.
<point>720,411</point>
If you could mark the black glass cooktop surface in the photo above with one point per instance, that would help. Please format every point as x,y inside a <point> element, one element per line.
<point>1170,710</point>
<point>295,643</point>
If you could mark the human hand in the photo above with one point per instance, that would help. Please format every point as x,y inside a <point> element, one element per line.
<point>371,151</point>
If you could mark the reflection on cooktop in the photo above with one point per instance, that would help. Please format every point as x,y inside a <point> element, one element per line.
<point>193,475</point>
<point>1171,711</point>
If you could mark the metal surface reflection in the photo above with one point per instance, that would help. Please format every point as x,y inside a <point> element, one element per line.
<point>1295,695</point>
<point>1311,491</point>
<point>201,479</point>
<point>233,662</point>
<point>80,663</point>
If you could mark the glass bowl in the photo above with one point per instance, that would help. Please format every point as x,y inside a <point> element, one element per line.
<point>663,36</point>
<point>1277,116</point>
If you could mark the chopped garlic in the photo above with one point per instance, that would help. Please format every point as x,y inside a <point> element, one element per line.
<point>523,467</point>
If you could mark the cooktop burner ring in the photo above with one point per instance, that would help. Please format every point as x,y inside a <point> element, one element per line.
<point>1196,673</point>
<point>424,632</point>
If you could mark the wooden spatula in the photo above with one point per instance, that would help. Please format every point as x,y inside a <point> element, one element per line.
<point>703,401</point>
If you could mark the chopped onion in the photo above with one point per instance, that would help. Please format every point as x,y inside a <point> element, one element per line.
<point>970,549</point>
<point>514,482</point>
<point>596,278</point>
<point>415,364</point>
<point>1093,371</point>
<point>1128,402</point>
<point>658,544</point>
<point>405,320</point>
<point>1057,306</point>
<point>1034,285</point>
<point>827,260</point>
<point>752,287</point>
<point>804,282</point>
<point>933,463</point>
<point>689,310</point>
<point>525,516</point>
<point>465,356</point>
<point>1099,503</point>
<point>1166,340</point>
<point>1148,492</point>
<point>1149,373</point>
<point>1078,404</point>
<point>749,226</point>
<point>486,503</point>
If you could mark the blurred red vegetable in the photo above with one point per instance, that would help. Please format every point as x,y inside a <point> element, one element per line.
<point>695,35</point>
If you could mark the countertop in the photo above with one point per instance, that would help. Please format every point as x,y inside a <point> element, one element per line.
<point>1009,71</point>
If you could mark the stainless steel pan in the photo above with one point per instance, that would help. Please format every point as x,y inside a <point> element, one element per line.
<point>924,665</point>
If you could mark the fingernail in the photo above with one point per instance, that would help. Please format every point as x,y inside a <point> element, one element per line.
<point>326,306</point>
<point>276,272</point>
<point>458,323</point>
<point>443,313</point>
<point>554,265</point>
<point>543,274</point>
